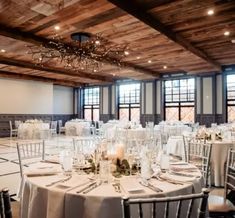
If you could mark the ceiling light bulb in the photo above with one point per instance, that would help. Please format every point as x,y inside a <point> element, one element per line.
<point>138,57</point>
<point>97,42</point>
<point>3,50</point>
<point>149,61</point>
<point>233,40</point>
<point>226,33</point>
<point>126,52</point>
<point>165,67</point>
<point>210,12</point>
<point>95,71</point>
<point>57,27</point>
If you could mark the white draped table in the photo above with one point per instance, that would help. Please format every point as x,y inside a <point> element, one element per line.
<point>36,130</point>
<point>218,159</point>
<point>62,200</point>
<point>77,128</point>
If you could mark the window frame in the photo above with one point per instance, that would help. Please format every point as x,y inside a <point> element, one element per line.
<point>129,105</point>
<point>226,95</point>
<point>92,106</point>
<point>179,104</point>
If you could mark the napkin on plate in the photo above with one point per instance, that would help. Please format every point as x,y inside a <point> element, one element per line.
<point>42,172</point>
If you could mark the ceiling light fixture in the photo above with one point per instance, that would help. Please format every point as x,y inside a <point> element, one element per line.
<point>233,40</point>
<point>3,50</point>
<point>165,67</point>
<point>149,61</point>
<point>57,27</point>
<point>86,52</point>
<point>226,33</point>
<point>138,57</point>
<point>210,12</point>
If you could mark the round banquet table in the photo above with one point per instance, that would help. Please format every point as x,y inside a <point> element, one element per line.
<point>61,200</point>
<point>33,130</point>
<point>77,128</point>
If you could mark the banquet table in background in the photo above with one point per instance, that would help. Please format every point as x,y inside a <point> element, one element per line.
<point>33,130</point>
<point>77,128</point>
<point>62,200</point>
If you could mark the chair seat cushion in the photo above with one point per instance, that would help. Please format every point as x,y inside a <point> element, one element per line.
<point>219,204</point>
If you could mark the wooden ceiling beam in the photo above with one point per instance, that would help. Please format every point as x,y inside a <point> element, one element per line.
<point>16,33</point>
<point>137,11</point>
<point>11,75</point>
<point>29,65</point>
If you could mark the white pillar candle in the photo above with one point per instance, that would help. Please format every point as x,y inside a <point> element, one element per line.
<point>120,151</point>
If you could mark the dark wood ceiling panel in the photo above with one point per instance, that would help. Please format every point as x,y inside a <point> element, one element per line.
<point>186,20</point>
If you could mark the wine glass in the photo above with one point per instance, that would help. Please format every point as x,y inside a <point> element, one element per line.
<point>97,158</point>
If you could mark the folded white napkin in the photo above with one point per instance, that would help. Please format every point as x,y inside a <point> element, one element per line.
<point>42,172</point>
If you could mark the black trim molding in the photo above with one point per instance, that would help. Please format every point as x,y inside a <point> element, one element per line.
<point>5,118</point>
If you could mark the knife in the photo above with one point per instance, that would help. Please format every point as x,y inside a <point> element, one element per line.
<point>91,188</point>
<point>86,187</point>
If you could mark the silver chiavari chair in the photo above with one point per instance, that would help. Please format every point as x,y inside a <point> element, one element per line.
<point>13,132</point>
<point>61,127</point>
<point>199,154</point>
<point>53,127</point>
<point>30,151</point>
<point>167,205</point>
<point>221,206</point>
<point>187,139</point>
<point>84,145</point>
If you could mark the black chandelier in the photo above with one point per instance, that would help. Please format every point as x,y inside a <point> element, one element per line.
<point>85,52</point>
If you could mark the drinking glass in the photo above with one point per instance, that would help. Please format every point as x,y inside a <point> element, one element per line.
<point>165,162</point>
<point>66,161</point>
<point>105,171</point>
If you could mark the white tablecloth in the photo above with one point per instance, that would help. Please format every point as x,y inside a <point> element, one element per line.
<point>218,159</point>
<point>33,130</point>
<point>175,146</point>
<point>63,201</point>
<point>74,128</point>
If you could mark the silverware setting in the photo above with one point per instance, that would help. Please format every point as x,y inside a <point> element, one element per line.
<point>147,184</point>
<point>92,187</point>
<point>87,187</point>
<point>59,181</point>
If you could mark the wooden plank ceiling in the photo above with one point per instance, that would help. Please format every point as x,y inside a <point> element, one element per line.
<point>176,34</point>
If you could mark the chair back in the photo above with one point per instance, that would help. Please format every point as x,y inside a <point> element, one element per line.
<point>230,172</point>
<point>28,151</point>
<point>5,204</point>
<point>17,123</point>
<point>54,125</point>
<point>10,124</point>
<point>187,139</point>
<point>180,206</point>
<point>199,154</point>
<point>60,124</point>
<point>84,145</point>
